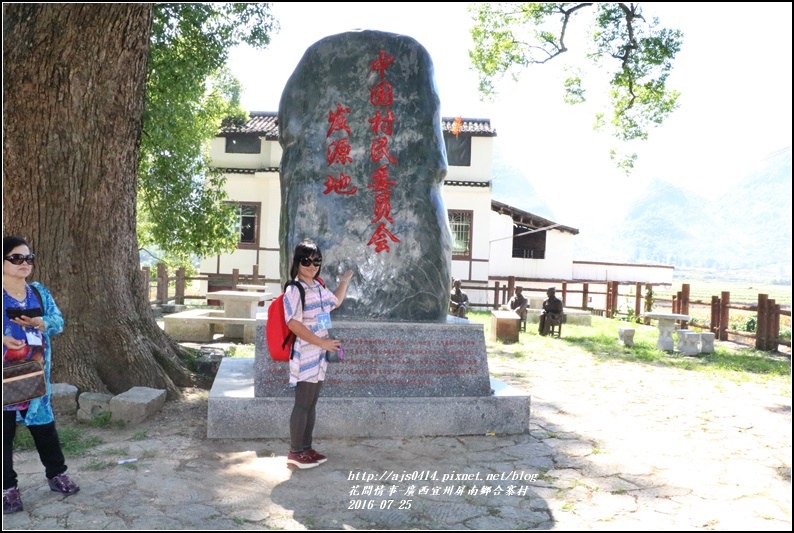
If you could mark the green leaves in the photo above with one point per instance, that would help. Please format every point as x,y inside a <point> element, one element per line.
<point>181,206</point>
<point>508,37</point>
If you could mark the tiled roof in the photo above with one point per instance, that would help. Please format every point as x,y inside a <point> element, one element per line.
<point>262,123</point>
<point>476,127</point>
<point>265,124</point>
<point>528,219</point>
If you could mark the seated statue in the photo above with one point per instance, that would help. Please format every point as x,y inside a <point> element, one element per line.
<point>458,301</point>
<point>552,312</point>
<point>518,303</point>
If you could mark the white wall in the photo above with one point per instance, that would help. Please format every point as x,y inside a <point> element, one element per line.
<point>477,200</point>
<point>623,272</point>
<point>260,187</point>
<point>559,253</point>
<point>481,162</point>
<point>269,156</point>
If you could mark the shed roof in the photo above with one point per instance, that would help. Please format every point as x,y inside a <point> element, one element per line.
<point>528,219</point>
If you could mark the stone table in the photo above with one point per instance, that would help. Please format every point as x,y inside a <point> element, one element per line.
<point>666,324</point>
<point>238,304</point>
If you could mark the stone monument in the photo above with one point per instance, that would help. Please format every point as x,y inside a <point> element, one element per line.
<point>361,172</point>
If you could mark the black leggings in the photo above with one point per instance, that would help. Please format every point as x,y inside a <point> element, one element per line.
<point>47,444</point>
<point>301,422</point>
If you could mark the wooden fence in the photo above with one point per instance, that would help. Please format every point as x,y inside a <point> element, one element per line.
<point>163,288</point>
<point>769,313</point>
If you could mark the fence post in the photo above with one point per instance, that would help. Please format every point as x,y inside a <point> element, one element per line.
<point>496,295</point>
<point>564,294</point>
<point>145,273</point>
<point>235,278</point>
<point>760,323</point>
<point>714,323</point>
<point>255,275</point>
<point>585,296</point>
<point>637,301</point>
<point>511,286</point>
<point>771,338</point>
<point>775,321</point>
<point>648,303</point>
<point>179,296</point>
<point>725,301</point>
<point>162,284</point>
<point>608,304</point>
<point>615,294</point>
<point>685,303</point>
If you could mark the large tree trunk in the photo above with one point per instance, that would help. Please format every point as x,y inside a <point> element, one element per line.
<point>73,86</point>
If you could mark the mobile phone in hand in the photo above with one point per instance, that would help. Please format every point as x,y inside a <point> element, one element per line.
<point>16,312</point>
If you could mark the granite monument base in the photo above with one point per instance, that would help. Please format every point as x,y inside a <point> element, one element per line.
<point>397,379</point>
<point>234,412</point>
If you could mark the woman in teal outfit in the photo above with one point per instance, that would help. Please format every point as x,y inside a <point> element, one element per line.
<point>22,337</point>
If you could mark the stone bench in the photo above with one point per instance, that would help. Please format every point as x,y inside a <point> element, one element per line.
<point>201,325</point>
<point>688,342</point>
<point>706,342</point>
<point>626,336</point>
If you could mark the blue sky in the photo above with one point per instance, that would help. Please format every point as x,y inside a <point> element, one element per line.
<point>734,73</point>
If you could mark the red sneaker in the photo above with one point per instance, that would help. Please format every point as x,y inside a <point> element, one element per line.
<point>320,458</point>
<point>301,460</point>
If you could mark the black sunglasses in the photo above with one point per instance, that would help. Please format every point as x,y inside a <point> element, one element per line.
<point>18,259</point>
<point>306,261</point>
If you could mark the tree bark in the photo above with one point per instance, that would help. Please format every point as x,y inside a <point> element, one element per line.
<point>73,86</point>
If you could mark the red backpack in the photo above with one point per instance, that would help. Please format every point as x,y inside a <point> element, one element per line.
<point>279,337</point>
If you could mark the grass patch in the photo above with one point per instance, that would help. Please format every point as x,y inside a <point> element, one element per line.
<point>98,465</point>
<point>139,435</point>
<point>601,341</point>
<point>240,351</point>
<point>74,441</point>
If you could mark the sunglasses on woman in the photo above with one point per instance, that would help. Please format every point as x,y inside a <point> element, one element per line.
<point>309,262</point>
<point>18,259</point>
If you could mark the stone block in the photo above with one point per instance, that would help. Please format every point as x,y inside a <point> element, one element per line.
<point>505,326</point>
<point>172,308</point>
<point>626,336</point>
<point>392,359</point>
<point>92,404</point>
<point>234,412</point>
<point>63,397</point>
<point>690,342</point>
<point>680,335</point>
<point>707,342</point>
<point>137,404</point>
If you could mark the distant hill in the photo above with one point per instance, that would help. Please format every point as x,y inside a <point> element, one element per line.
<point>746,227</point>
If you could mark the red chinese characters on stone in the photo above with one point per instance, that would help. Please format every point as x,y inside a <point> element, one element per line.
<point>381,123</point>
<point>338,120</point>
<point>380,149</point>
<point>339,185</point>
<point>381,94</point>
<point>383,62</point>
<point>339,152</point>
<point>381,238</point>
<point>382,207</point>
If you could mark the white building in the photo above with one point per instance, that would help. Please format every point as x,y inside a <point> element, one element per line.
<point>492,240</point>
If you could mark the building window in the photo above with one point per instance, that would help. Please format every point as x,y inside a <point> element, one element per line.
<point>460,224</point>
<point>248,217</point>
<point>528,245</point>
<point>458,150</point>
<point>243,144</point>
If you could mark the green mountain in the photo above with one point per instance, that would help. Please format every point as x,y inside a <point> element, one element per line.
<point>745,227</point>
